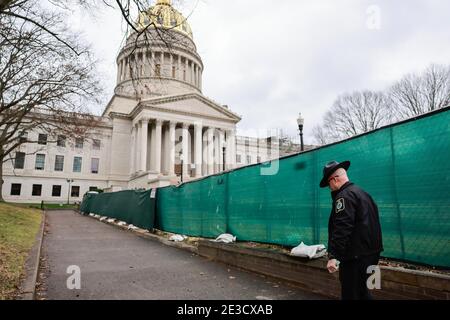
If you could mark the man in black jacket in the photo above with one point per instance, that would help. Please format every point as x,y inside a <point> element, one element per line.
<point>354,232</point>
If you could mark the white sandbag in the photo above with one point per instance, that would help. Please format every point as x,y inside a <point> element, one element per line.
<point>111,220</point>
<point>121,223</point>
<point>311,252</point>
<point>226,238</point>
<point>177,238</point>
<point>131,227</point>
<point>103,218</point>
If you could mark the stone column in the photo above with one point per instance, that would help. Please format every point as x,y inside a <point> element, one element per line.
<point>195,74</point>
<point>210,161</point>
<point>179,72</point>
<point>185,150</point>
<point>231,149</point>
<point>198,150</point>
<point>137,149</point>
<point>187,69</point>
<point>133,151</point>
<point>153,63</point>
<point>144,141</point>
<point>172,126</point>
<point>216,153</point>
<point>157,145</point>
<point>221,146</point>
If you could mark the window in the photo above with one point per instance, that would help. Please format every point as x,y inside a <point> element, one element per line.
<point>77,164</point>
<point>94,165</point>
<point>79,143</point>
<point>37,190</point>
<point>249,159</point>
<point>59,163</point>
<point>15,189</point>
<point>19,161</point>
<point>184,75</point>
<point>247,142</point>
<point>75,191</point>
<point>40,162</point>
<point>23,137</point>
<point>158,70</point>
<point>93,188</point>
<point>42,139</point>
<point>238,158</point>
<point>61,142</point>
<point>96,144</point>
<point>56,191</point>
<point>173,72</point>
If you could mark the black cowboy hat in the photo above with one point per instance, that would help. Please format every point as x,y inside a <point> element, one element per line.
<point>330,168</point>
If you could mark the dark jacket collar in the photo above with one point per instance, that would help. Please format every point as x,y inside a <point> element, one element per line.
<point>334,194</point>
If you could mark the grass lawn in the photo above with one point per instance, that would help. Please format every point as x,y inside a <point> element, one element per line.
<point>18,229</point>
<point>47,205</point>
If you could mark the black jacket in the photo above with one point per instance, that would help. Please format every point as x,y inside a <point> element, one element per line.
<point>354,228</point>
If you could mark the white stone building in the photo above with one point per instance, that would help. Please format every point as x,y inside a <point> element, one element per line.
<point>157,117</point>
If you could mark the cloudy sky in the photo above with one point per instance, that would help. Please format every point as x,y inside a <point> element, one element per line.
<point>271,59</point>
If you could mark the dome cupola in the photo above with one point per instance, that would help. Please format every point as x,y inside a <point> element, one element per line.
<point>164,15</point>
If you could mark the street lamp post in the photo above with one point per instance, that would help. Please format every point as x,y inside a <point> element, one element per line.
<point>301,122</point>
<point>68,191</point>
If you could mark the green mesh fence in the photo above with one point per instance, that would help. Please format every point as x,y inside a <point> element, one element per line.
<point>405,167</point>
<point>133,207</point>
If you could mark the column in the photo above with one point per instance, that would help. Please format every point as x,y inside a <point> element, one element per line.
<point>153,63</point>
<point>198,150</point>
<point>185,150</point>
<point>210,146</point>
<point>157,145</point>
<point>221,146</point>
<point>144,141</point>
<point>147,64</point>
<point>195,74</point>
<point>172,126</point>
<point>137,150</point>
<point>216,153</point>
<point>133,150</point>
<point>231,148</point>
<point>171,66</point>
<point>119,69</point>
<point>187,69</point>
<point>179,71</point>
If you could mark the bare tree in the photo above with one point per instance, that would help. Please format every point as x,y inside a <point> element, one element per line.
<point>44,85</point>
<point>130,10</point>
<point>416,94</point>
<point>354,114</point>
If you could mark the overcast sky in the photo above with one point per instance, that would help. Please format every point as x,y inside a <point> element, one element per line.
<point>271,59</point>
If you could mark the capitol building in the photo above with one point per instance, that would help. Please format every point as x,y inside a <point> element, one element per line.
<point>157,130</point>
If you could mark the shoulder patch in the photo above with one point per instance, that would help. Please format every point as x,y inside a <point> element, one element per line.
<point>340,205</point>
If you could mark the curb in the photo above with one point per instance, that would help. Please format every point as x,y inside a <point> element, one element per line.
<point>150,236</point>
<point>28,285</point>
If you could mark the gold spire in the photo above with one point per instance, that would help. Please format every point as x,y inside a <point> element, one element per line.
<point>164,15</point>
<point>167,2</point>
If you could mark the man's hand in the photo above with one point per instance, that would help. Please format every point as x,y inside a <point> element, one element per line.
<point>332,266</point>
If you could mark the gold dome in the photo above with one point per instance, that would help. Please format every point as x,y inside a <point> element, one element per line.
<point>164,15</point>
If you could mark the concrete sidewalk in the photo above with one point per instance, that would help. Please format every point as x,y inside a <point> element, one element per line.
<point>120,265</point>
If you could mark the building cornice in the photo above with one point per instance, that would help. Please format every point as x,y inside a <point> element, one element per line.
<point>142,107</point>
<point>214,105</point>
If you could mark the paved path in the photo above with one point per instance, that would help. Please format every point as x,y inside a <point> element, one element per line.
<point>116,264</point>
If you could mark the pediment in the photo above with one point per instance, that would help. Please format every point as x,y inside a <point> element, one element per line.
<point>120,104</point>
<point>194,104</point>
